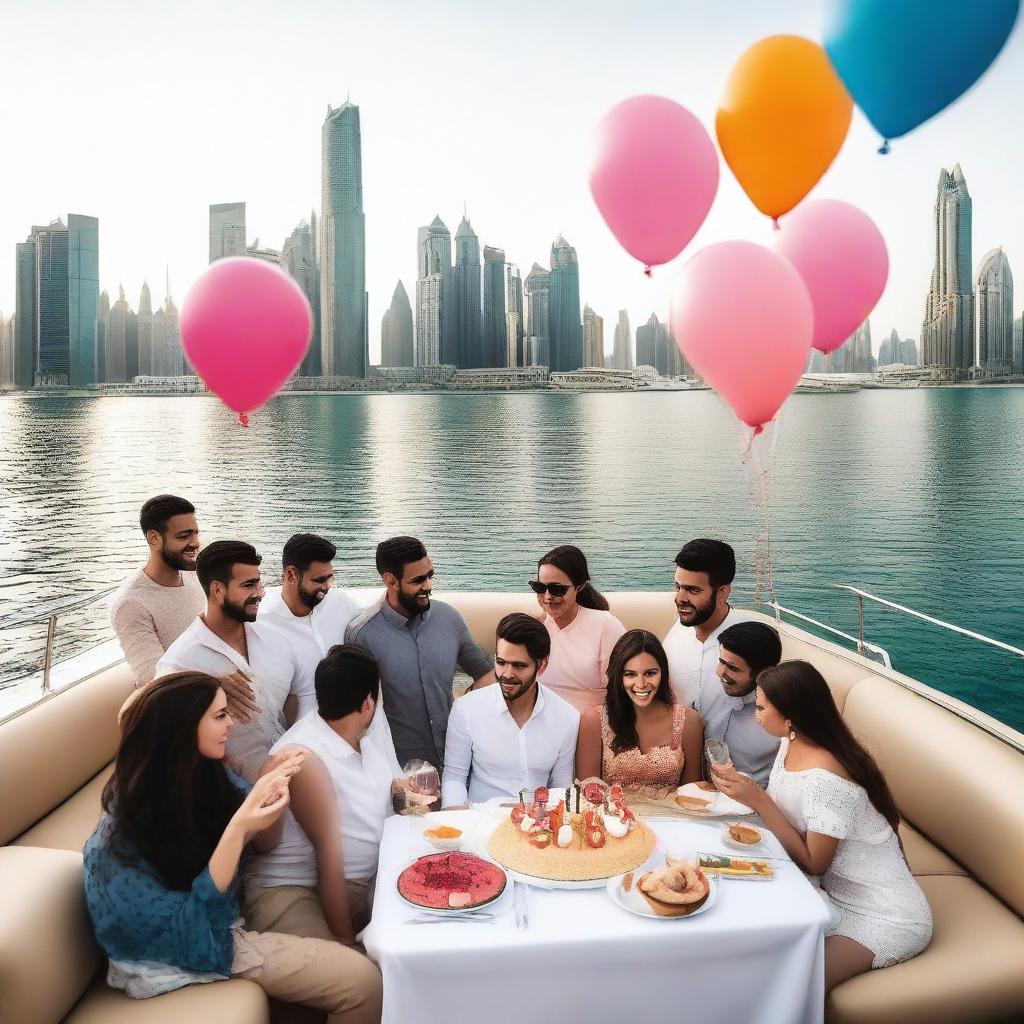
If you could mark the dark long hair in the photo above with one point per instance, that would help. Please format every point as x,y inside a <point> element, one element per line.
<point>798,691</point>
<point>573,563</point>
<point>164,796</point>
<point>621,711</point>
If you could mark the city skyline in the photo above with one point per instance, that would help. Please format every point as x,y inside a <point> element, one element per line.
<point>153,201</point>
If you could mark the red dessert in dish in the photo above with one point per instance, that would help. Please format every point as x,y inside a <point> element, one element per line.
<point>450,881</point>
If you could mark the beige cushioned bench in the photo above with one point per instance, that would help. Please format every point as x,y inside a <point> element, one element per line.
<point>958,788</point>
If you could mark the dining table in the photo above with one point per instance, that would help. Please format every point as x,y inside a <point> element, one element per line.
<point>540,953</point>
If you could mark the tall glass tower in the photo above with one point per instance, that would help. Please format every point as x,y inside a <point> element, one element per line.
<point>298,259</point>
<point>995,312</point>
<point>83,298</point>
<point>468,344</point>
<point>565,329</point>
<point>396,347</point>
<point>227,230</point>
<point>947,334</point>
<point>495,321</point>
<point>344,339</point>
<point>538,299</point>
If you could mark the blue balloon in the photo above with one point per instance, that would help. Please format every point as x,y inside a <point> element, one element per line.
<point>904,60</point>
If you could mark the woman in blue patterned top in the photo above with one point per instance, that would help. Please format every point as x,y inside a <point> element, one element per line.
<point>161,868</point>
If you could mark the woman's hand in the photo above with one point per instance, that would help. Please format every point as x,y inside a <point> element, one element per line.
<point>265,803</point>
<point>741,788</point>
<point>287,757</point>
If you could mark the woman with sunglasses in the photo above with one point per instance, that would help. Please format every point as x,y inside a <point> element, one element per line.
<point>641,736</point>
<point>161,869</point>
<point>583,631</point>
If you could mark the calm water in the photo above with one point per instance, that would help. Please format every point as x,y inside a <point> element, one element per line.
<point>914,495</point>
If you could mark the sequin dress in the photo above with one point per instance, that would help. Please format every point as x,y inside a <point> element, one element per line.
<point>660,766</point>
<point>868,884</point>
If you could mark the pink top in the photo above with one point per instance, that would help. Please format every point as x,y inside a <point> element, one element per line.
<point>660,766</point>
<point>578,668</point>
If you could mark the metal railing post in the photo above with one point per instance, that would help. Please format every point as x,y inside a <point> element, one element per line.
<point>860,618</point>
<point>51,629</point>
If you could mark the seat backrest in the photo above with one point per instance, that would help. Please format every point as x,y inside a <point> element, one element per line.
<point>53,749</point>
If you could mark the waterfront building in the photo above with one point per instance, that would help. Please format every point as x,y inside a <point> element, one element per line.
<point>227,230</point>
<point>1018,345</point>
<point>396,331</point>
<point>947,334</point>
<point>102,316</point>
<point>816,364</point>
<point>565,329</point>
<point>538,293</point>
<point>910,352</point>
<point>495,322</point>
<point>853,356</point>
<point>435,333</point>
<point>622,352</point>
<point>596,379</point>
<point>344,338</point>
<point>515,332</point>
<point>57,296</point>
<point>890,351</point>
<point>434,376</point>
<point>503,378</point>
<point>168,356</point>
<point>121,332</point>
<point>652,344</point>
<point>145,324</point>
<point>994,309</point>
<point>593,338</point>
<point>468,344</point>
<point>6,352</point>
<point>299,261</point>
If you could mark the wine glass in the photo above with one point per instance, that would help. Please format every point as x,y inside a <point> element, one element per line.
<point>716,750</point>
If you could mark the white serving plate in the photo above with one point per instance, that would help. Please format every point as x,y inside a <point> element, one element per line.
<point>746,847</point>
<point>634,903</point>
<point>486,907</point>
<point>721,805</point>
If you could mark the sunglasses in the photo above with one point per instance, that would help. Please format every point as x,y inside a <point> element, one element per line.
<point>555,589</point>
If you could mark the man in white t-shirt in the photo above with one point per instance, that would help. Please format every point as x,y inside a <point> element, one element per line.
<point>705,570</point>
<point>226,639</point>
<point>308,608</point>
<point>316,882</point>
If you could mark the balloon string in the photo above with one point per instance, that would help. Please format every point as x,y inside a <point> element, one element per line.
<point>884,147</point>
<point>243,419</point>
<point>647,271</point>
<point>775,224</point>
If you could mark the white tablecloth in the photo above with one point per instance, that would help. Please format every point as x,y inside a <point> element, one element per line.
<point>756,957</point>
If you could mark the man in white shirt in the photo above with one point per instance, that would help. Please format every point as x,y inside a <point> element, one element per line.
<point>516,735</point>
<point>705,570</point>
<point>316,881</point>
<point>227,639</point>
<point>308,608</point>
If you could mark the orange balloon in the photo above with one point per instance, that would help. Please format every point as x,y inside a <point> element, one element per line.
<point>782,120</point>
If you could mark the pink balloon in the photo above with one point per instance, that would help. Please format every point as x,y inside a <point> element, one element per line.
<point>654,176</point>
<point>742,317</point>
<point>842,258</point>
<point>245,326</point>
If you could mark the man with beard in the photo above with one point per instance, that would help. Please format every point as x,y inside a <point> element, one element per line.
<point>705,570</point>
<point>513,736</point>
<point>156,604</point>
<point>308,608</point>
<point>226,638</point>
<point>417,644</point>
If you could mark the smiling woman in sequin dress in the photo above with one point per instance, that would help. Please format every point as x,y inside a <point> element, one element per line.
<point>640,736</point>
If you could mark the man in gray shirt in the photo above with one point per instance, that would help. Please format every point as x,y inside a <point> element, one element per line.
<point>418,644</point>
<point>729,713</point>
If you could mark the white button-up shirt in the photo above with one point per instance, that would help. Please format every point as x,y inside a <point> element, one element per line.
<point>487,748</point>
<point>692,665</point>
<point>311,635</point>
<point>362,788</point>
<point>273,668</point>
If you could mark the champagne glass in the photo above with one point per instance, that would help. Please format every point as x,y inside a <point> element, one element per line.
<point>716,750</point>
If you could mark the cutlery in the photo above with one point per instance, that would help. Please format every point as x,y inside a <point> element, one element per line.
<point>461,919</point>
<point>524,903</point>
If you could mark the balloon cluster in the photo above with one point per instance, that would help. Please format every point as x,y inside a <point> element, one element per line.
<point>746,316</point>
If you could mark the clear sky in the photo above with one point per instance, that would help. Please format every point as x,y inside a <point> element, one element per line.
<point>143,113</point>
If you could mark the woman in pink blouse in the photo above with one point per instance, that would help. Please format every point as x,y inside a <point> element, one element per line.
<point>583,631</point>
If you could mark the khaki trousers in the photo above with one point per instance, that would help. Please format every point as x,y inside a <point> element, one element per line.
<point>315,972</point>
<point>297,910</point>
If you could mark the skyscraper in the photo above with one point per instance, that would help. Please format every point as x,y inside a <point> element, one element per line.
<point>117,340</point>
<point>515,331</point>
<point>890,350</point>
<point>1018,344</point>
<point>435,331</point>
<point>947,334</point>
<point>495,323</point>
<point>396,335</point>
<point>299,262</point>
<point>102,317</point>
<point>227,230</point>
<point>593,338</point>
<point>467,327</point>
<point>622,353</point>
<point>995,312</point>
<point>344,340</point>
<point>909,352</point>
<point>145,320</point>
<point>58,303</point>
<point>565,329</point>
<point>6,353</point>
<point>649,341</point>
<point>168,355</point>
<point>538,294</point>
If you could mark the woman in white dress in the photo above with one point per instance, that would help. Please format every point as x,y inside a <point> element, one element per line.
<point>829,806</point>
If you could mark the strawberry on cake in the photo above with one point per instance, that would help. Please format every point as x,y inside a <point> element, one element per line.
<point>582,833</point>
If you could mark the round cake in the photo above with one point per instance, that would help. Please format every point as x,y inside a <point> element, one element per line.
<point>451,881</point>
<point>602,841</point>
